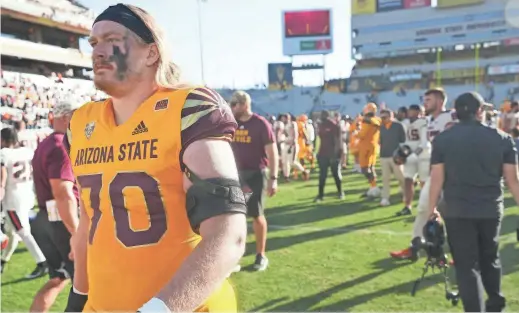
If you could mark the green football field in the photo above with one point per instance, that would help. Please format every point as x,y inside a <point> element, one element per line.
<point>332,256</point>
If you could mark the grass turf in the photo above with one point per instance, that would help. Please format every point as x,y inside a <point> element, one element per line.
<point>331,256</point>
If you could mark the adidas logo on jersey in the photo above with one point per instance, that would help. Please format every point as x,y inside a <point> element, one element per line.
<point>141,128</point>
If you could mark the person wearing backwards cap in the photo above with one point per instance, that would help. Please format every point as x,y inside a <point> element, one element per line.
<point>163,215</point>
<point>57,196</point>
<point>468,163</point>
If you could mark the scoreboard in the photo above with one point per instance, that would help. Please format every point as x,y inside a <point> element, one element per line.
<point>307,32</point>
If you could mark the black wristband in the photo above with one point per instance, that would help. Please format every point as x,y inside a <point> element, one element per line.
<point>273,178</point>
<point>76,302</point>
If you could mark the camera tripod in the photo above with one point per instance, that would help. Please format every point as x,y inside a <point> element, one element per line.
<point>442,264</point>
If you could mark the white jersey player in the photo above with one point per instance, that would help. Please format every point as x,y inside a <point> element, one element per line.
<point>30,138</point>
<point>310,131</point>
<point>418,163</point>
<point>279,131</point>
<point>438,120</point>
<point>290,149</point>
<point>511,119</point>
<point>18,199</point>
<point>492,119</point>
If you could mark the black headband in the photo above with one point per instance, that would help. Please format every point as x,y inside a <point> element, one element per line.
<point>121,14</point>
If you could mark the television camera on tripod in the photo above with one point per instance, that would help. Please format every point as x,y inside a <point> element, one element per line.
<point>432,243</point>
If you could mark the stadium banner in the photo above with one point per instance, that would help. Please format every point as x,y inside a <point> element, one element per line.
<point>280,76</point>
<point>363,7</point>
<point>511,42</point>
<point>459,73</point>
<point>405,77</point>
<point>503,69</point>
<point>336,85</point>
<point>455,3</point>
<point>411,4</point>
<point>384,83</point>
<point>389,5</point>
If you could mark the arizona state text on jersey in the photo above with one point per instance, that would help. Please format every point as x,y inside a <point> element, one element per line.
<point>132,187</point>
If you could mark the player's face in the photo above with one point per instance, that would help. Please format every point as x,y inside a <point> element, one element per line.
<point>413,114</point>
<point>430,103</point>
<point>118,57</point>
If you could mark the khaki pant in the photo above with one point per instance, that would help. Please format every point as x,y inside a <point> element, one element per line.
<point>388,167</point>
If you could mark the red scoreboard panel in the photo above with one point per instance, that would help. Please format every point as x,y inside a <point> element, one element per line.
<point>307,23</point>
<point>307,32</point>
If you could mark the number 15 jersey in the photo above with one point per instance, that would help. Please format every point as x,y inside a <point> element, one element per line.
<point>132,187</point>
<point>416,136</point>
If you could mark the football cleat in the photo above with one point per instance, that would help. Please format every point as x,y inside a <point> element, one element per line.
<point>373,192</point>
<point>385,202</point>
<point>261,263</point>
<point>40,270</point>
<point>404,211</point>
<point>406,254</point>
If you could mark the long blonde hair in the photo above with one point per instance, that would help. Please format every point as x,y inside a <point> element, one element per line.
<point>168,73</point>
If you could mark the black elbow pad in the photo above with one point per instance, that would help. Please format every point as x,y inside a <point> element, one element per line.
<point>212,197</point>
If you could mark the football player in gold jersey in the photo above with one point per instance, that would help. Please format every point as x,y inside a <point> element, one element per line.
<point>163,216</point>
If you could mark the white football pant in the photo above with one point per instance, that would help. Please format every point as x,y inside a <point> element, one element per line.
<point>289,159</point>
<point>422,211</point>
<point>417,166</point>
<point>18,227</point>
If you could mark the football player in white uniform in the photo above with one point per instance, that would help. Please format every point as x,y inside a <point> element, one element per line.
<point>438,120</point>
<point>418,163</point>
<point>30,138</point>
<point>18,199</point>
<point>290,150</point>
<point>511,119</point>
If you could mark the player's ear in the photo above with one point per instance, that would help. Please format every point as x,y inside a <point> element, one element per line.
<point>153,55</point>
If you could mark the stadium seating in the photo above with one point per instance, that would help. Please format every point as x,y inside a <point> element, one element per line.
<point>297,100</point>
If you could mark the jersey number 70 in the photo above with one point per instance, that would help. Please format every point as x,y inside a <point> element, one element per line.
<point>123,231</point>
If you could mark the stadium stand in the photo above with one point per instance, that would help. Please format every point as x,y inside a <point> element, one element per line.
<point>31,60</point>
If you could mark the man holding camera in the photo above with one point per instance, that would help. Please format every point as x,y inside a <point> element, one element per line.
<point>468,163</point>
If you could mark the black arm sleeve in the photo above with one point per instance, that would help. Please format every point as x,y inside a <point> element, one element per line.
<point>76,302</point>
<point>212,197</point>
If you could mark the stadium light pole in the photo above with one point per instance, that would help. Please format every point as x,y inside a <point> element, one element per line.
<point>201,48</point>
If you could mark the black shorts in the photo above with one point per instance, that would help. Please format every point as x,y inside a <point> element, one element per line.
<point>257,182</point>
<point>54,241</point>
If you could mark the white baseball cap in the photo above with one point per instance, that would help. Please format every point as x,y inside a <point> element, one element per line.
<point>64,107</point>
